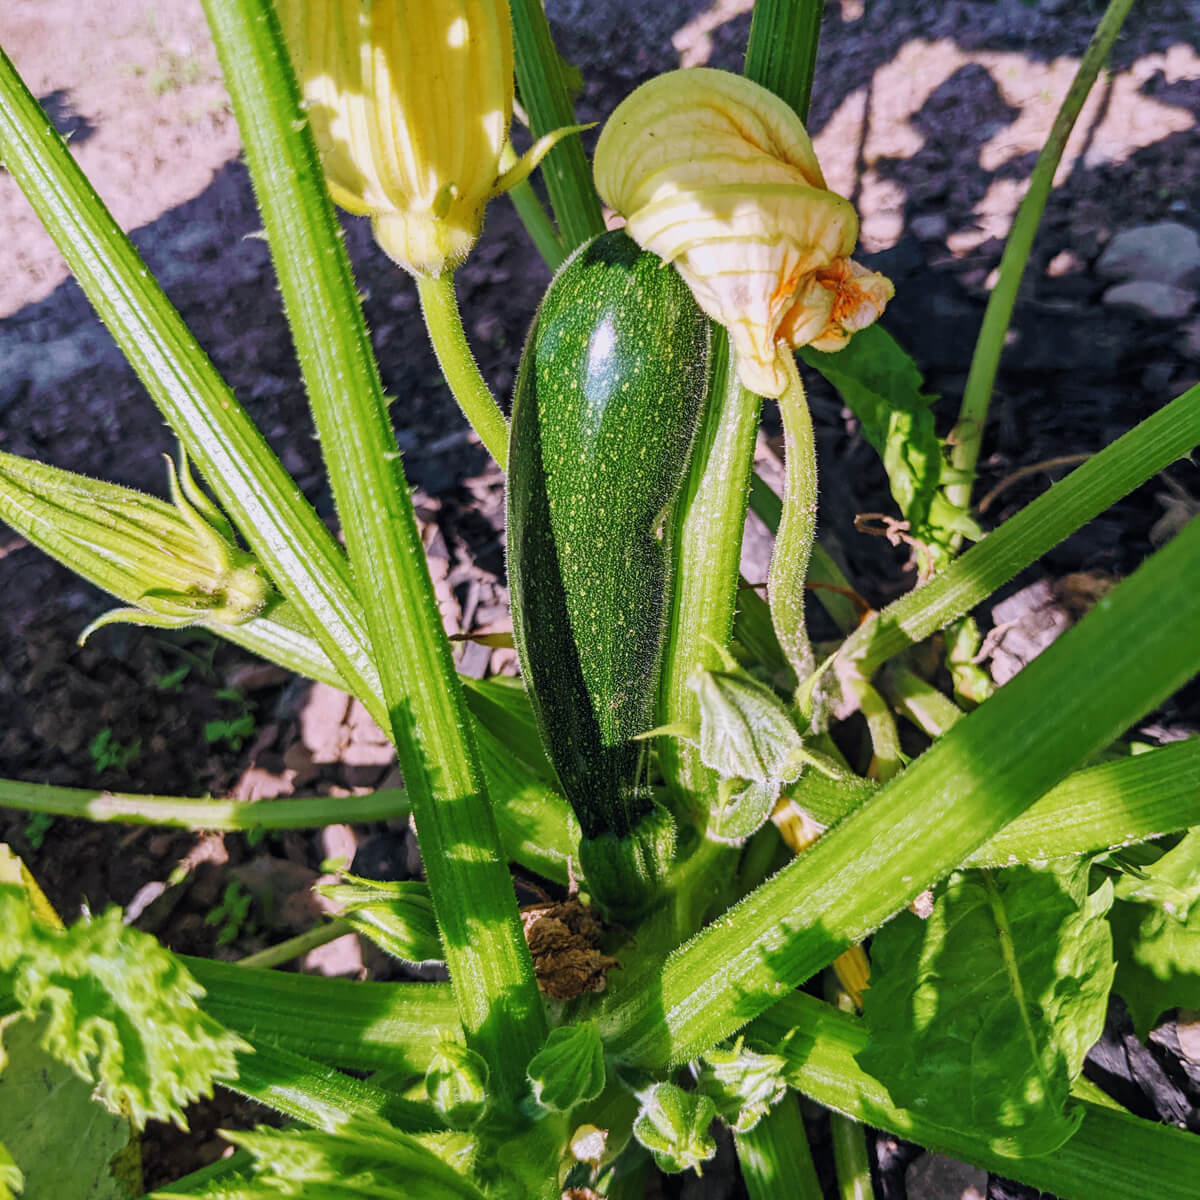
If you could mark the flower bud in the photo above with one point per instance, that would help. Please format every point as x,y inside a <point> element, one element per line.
<point>718,176</point>
<point>409,104</point>
<point>175,564</point>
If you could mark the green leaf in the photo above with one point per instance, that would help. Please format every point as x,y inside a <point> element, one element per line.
<point>11,1179</point>
<point>1113,1154</point>
<point>1158,961</point>
<point>1172,882</point>
<point>882,385</point>
<point>742,1083</point>
<point>673,1125</point>
<point>122,1011</point>
<point>569,1068</point>
<point>363,1158</point>
<point>397,917</point>
<point>44,1106</point>
<point>985,1011</point>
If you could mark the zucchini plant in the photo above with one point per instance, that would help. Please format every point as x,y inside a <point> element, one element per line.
<point>754,909</point>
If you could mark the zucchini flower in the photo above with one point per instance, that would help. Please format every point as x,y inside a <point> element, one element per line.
<point>174,564</point>
<point>410,102</point>
<point>718,176</point>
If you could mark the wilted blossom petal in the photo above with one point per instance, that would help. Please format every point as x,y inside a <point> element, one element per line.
<point>718,176</point>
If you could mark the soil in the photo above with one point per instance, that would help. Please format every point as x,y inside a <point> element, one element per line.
<point>928,115</point>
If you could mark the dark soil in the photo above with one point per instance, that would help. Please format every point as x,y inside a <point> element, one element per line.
<point>956,97</point>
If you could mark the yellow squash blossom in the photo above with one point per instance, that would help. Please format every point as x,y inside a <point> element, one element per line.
<point>718,176</point>
<point>410,103</point>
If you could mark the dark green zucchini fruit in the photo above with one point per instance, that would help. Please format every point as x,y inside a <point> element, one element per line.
<point>606,406</point>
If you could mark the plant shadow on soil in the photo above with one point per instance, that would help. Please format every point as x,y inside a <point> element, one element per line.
<point>1076,375</point>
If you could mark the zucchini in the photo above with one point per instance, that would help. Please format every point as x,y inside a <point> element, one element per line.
<point>607,401</point>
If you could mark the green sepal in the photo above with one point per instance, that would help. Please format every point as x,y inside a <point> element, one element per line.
<point>167,561</point>
<point>972,684</point>
<point>625,873</point>
<point>748,738</point>
<point>569,1068</point>
<point>674,1126</point>
<point>397,917</point>
<point>743,1084</point>
<point>457,1083</point>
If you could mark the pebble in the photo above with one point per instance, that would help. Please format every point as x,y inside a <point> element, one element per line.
<point>930,228</point>
<point>1149,298</point>
<point>936,1177</point>
<point>1189,342</point>
<point>1164,253</point>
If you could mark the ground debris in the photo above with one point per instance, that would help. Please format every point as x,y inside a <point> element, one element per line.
<point>564,940</point>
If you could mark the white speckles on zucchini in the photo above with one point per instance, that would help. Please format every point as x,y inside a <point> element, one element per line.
<point>607,402</point>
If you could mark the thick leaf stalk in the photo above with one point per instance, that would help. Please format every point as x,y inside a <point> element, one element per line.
<point>489,961</point>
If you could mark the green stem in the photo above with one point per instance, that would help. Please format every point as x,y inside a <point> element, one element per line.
<point>538,224</point>
<point>394,1027</point>
<point>309,812</point>
<point>851,1161</point>
<point>825,577</point>
<point>707,543</point>
<point>544,94</point>
<point>285,533</point>
<point>797,527</point>
<point>489,962</point>
<point>928,709</point>
<point>972,414</point>
<point>1112,1154</point>
<point>444,322</point>
<point>881,726</point>
<point>302,943</point>
<point>1120,661</point>
<point>775,1158</point>
<point>1104,807</point>
<point>1171,433</point>
<point>781,53</point>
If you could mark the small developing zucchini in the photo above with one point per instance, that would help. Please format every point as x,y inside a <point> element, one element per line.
<point>606,406</point>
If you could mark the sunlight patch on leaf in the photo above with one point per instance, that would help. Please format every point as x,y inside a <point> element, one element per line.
<point>121,1011</point>
<point>984,1012</point>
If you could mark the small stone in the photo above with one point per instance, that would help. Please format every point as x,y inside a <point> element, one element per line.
<point>338,844</point>
<point>1147,298</point>
<point>1065,262</point>
<point>1026,624</point>
<point>1189,342</point>
<point>338,959</point>
<point>1165,253</point>
<point>936,1177</point>
<point>321,722</point>
<point>1188,1031</point>
<point>930,228</point>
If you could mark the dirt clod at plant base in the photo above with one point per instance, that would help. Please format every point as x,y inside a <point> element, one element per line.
<point>564,941</point>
